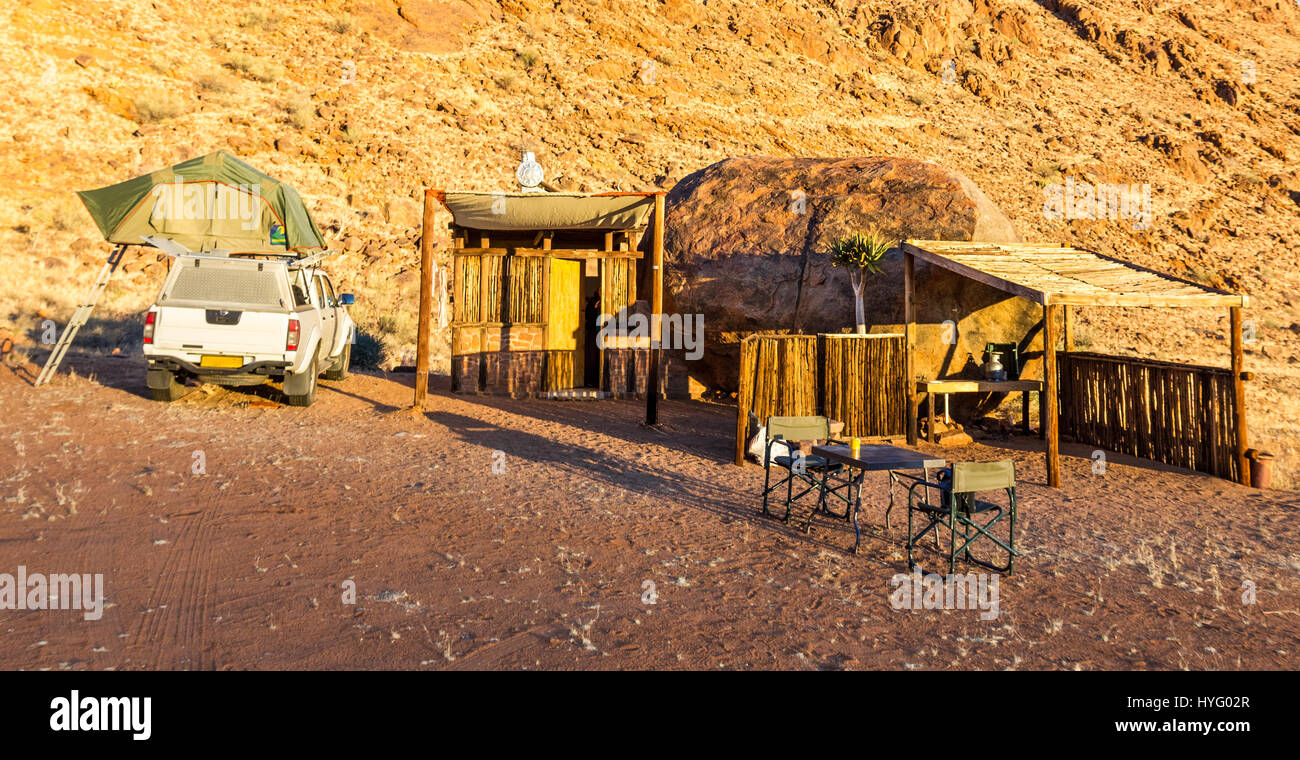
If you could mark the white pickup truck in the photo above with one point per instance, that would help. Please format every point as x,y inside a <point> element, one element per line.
<point>242,321</point>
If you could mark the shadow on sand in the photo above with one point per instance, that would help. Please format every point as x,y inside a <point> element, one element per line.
<point>706,492</point>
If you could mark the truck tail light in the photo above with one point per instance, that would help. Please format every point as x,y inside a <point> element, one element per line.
<point>291,340</point>
<point>150,323</point>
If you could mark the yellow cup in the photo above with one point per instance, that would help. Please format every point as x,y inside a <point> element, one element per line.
<point>855,446</point>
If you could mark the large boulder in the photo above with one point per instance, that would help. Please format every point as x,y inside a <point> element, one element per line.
<point>745,244</point>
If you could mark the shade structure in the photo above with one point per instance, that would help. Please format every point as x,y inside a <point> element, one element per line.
<point>1062,278</point>
<point>547,211</point>
<point>1051,274</point>
<point>213,202</point>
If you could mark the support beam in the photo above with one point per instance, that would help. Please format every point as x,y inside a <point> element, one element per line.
<point>909,339</point>
<point>1049,421</point>
<point>1068,312</point>
<point>656,310</point>
<point>1239,393</point>
<point>426,303</point>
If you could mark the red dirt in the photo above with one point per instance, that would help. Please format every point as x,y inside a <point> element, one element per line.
<point>543,566</point>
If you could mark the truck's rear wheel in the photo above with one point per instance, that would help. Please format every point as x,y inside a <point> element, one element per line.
<point>309,396</point>
<point>163,385</point>
<point>339,369</point>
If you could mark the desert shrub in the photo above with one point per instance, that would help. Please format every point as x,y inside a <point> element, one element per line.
<point>155,107</point>
<point>258,19</point>
<point>527,57</point>
<point>300,109</point>
<point>1047,172</point>
<point>215,81</point>
<point>66,213</point>
<point>165,65</point>
<point>339,24</point>
<point>367,352</point>
<point>351,134</point>
<point>255,68</point>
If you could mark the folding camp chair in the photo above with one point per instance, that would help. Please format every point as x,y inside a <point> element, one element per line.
<point>804,468</point>
<point>962,514</point>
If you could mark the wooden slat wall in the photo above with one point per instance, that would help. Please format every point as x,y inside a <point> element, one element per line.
<point>468,290</point>
<point>615,293</point>
<point>1180,414</point>
<point>863,385</point>
<point>492,270</point>
<point>855,379</point>
<point>526,289</point>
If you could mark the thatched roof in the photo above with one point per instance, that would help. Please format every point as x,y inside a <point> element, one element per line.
<point>1050,274</point>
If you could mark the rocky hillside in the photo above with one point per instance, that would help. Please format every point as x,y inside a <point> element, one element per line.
<point>360,104</point>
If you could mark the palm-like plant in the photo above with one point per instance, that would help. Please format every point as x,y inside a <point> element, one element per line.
<point>861,252</point>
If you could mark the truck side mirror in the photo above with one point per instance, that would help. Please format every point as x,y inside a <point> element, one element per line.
<point>347,299</point>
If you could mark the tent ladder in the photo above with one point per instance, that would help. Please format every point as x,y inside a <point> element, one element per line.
<point>81,316</point>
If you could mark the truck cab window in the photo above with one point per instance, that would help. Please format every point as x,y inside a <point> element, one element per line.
<point>329,291</point>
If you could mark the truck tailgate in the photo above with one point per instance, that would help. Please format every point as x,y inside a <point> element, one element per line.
<point>244,333</point>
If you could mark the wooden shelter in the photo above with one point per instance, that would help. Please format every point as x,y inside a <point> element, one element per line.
<point>534,277</point>
<point>1061,278</point>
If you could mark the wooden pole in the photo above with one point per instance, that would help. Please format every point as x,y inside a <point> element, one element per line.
<point>1069,327</point>
<point>909,338</point>
<point>745,394</point>
<point>656,310</point>
<point>426,303</point>
<point>1049,420</point>
<point>1239,393</point>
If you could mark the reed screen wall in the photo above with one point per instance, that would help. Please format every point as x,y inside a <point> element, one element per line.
<point>1180,414</point>
<point>857,379</point>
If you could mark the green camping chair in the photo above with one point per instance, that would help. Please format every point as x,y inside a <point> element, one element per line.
<point>804,468</point>
<point>965,516</point>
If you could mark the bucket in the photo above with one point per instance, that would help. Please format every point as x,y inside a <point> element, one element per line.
<point>1261,468</point>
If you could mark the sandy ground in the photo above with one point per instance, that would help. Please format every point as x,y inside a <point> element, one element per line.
<point>545,564</point>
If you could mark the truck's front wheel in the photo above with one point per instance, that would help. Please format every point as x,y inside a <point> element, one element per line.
<point>163,385</point>
<point>301,388</point>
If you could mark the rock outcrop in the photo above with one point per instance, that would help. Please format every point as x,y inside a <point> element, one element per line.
<point>745,246</point>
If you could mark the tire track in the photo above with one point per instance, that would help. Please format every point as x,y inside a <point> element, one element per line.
<point>176,636</point>
<point>183,630</point>
<point>152,618</point>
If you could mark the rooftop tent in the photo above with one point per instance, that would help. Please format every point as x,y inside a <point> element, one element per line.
<point>547,211</point>
<point>214,202</point>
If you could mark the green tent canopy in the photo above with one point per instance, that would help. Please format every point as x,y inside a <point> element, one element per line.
<point>214,202</point>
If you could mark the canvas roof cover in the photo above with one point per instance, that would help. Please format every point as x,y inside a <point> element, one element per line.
<point>548,211</point>
<point>213,202</point>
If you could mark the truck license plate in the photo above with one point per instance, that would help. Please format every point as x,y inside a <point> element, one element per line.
<point>222,362</point>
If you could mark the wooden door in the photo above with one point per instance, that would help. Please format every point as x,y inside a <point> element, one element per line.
<point>564,326</point>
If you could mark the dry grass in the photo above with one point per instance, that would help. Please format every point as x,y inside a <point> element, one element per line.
<point>151,108</point>
<point>301,111</point>
<point>339,24</point>
<point>215,82</point>
<point>259,19</point>
<point>254,68</point>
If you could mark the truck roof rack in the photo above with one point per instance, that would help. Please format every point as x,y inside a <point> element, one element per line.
<point>307,261</point>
